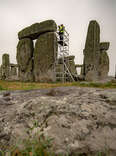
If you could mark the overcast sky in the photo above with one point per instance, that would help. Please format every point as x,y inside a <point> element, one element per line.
<point>74,14</point>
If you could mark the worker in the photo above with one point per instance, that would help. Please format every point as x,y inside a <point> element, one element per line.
<point>61,32</point>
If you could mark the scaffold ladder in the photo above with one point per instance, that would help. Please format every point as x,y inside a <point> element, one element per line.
<point>62,60</point>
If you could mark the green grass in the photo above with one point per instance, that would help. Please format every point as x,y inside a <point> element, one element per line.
<point>1,88</point>
<point>41,148</point>
<point>38,145</point>
<point>16,85</point>
<point>99,85</point>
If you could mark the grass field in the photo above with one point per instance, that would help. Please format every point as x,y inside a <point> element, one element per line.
<point>7,85</point>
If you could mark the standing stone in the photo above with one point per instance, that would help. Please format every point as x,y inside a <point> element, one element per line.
<point>5,66</point>
<point>44,56</point>
<point>13,70</point>
<point>104,46</point>
<point>25,59</point>
<point>5,60</point>
<point>104,60</point>
<point>92,52</point>
<point>96,60</point>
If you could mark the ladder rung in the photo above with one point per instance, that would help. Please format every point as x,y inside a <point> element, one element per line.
<point>62,51</point>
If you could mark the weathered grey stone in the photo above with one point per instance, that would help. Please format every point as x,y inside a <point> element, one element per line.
<point>104,46</point>
<point>25,59</point>
<point>5,60</point>
<point>5,66</point>
<point>104,65</point>
<point>92,51</point>
<point>71,64</point>
<point>5,102</point>
<point>96,60</point>
<point>44,57</point>
<point>8,71</point>
<point>36,29</point>
<point>81,121</point>
<point>13,70</point>
<point>7,93</point>
<point>104,60</point>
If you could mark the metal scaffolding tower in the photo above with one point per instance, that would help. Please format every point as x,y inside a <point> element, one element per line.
<point>61,65</point>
